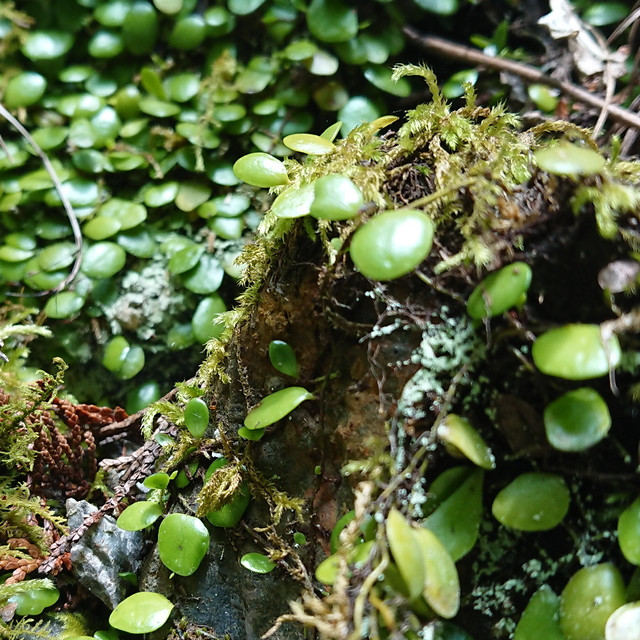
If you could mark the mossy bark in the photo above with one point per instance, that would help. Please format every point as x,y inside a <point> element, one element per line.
<point>386,361</point>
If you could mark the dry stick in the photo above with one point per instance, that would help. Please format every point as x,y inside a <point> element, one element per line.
<point>528,73</point>
<point>77,234</point>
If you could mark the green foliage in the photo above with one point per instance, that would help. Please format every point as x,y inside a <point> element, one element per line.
<point>157,102</point>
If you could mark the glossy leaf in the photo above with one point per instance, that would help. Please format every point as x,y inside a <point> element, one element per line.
<point>275,406</point>
<point>115,353</point>
<point>34,601</point>
<point>183,541</point>
<point>139,515</point>
<point>392,244</point>
<point>567,159</point>
<point>294,202</point>
<point>158,480</point>
<point>534,501</point>
<point>132,364</point>
<point>24,89</point>
<point>308,143</point>
<point>332,20</point>
<point>203,322</point>
<point>500,291</point>
<point>442,586</point>
<point>283,358</point>
<point>64,305</point>
<point>142,612</point>
<point>205,277</point>
<point>540,617</point>
<point>576,352</point>
<point>196,417</point>
<point>257,562</point>
<point>103,260</point>
<point>441,7</point>
<point>260,170</point>
<point>335,197</point>
<point>458,433</point>
<point>251,434</point>
<point>590,597</point>
<point>577,420</point>
<point>46,45</point>
<point>629,532</point>
<point>406,553</point>
<point>456,521</point>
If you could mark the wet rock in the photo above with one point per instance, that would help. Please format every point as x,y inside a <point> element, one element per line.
<point>102,553</point>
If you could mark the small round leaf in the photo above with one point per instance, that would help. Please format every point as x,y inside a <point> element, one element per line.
<point>143,612</point>
<point>275,406</point>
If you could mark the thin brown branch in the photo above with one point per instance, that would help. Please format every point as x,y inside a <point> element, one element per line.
<point>528,73</point>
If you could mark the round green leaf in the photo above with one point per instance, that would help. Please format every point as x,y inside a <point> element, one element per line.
<point>380,77</point>
<point>458,433</point>
<point>140,28</point>
<point>183,542</point>
<point>257,562</point>
<point>128,214</point>
<point>567,159</point>
<point>205,277</point>
<point>161,194</point>
<point>185,259</point>
<point>133,363</point>
<point>103,260</point>
<point>50,137</point>
<point>64,305</point>
<point>332,20</point>
<point>57,256</point>
<point>406,553</point>
<point>112,13</point>
<point>115,353</point>
<point>157,481</point>
<point>196,417</point>
<point>260,170</point>
<point>544,97</point>
<point>576,352</point>
<point>442,586</point>
<point>294,202</point>
<point>34,601</point>
<point>244,7</point>
<point>139,515</point>
<point>540,618</point>
<point>456,520</point>
<point>24,90</point>
<point>577,420</point>
<point>188,32</point>
<point>441,7</point>
<point>392,244</point>
<point>590,597</point>
<point>138,243</point>
<point>168,6</point>
<point>14,254</point>
<point>629,532</point>
<point>101,227</point>
<point>500,291</point>
<point>454,86</point>
<point>203,325</point>
<point>336,197</point>
<point>105,44</point>
<point>183,86</point>
<point>308,143</point>
<point>532,502</point>
<point>275,406</point>
<point>603,13</point>
<point>191,195</point>
<point>283,358</point>
<point>46,45</point>
<point>158,108</point>
<point>142,396</point>
<point>142,612</point>
<point>251,434</point>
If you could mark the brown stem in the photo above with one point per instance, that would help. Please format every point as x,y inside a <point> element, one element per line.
<point>528,73</point>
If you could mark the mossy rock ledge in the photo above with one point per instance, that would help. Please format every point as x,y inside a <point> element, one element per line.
<point>387,362</point>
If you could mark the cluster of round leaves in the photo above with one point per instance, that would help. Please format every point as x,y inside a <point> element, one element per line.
<point>143,107</point>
